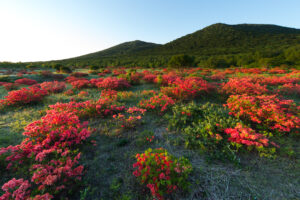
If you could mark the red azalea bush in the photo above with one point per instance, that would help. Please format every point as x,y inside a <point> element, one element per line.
<point>102,107</point>
<point>161,172</point>
<point>269,111</point>
<point>79,84</point>
<point>71,79</point>
<point>188,88</point>
<point>53,87</point>
<point>243,86</point>
<point>149,78</point>
<point>289,89</point>
<point>108,93</point>
<point>159,103</point>
<point>26,81</point>
<point>83,94</point>
<point>24,96</point>
<point>242,135</point>
<point>49,151</point>
<point>131,119</point>
<point>11,86</point>
<point>113,83</point>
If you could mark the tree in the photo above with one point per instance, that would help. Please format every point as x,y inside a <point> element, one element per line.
<point>180,61</point>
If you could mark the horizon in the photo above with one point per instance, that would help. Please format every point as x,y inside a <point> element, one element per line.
<point>53,30</point>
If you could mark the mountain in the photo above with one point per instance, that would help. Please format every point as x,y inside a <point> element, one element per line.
<point>125,48</point>
<point>242,43</point>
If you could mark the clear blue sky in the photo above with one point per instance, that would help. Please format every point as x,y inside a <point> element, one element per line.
<point>33,30</point>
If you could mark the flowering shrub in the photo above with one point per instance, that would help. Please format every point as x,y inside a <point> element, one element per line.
<point>188,88</point>
<point>53,87</point>
<point>108,93</point>
<point>267,111</point>
<point>71,79</point>
<point>159,103</point>
<point>102,107</point>
<point>26,81</point>
<point>117,72</point>
<point>24,96</point>
<point>69,92</point>
<point>243,86</point>
<point>131,119</point>
<point>208,128</point>
<point>125,95</point>
<point>113,83</point>
<point>242,135</point>
<point>83,94</point>
<point>289,89</point>
<point>79,84</point>
<point>11,86</point>
<point>161,172</point>
<point>146,93</point>
<point>149,78</point>
<point>50,149</point>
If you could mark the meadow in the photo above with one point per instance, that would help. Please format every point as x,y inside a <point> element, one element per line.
<point>135,133</point>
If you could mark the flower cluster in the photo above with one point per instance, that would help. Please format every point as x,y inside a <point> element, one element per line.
<point>108,93</point>
<point>160,103</point>
<point>289,89</point>
<point>131,119</point>
<point>26,81</point>
<point>10,86</point>
<point>269,111</point>
<point>241,134</point>
<point>50,149</point>
<point>113,83</point>
<point>79,84</point>
<point>161,172</point>
<point>53,87</point>
<point>188,88</point>
<point>82,94</point>
<point>243,86</point>
<point>24,96</point>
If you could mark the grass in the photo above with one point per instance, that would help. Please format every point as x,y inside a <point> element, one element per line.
<point>108,165</point>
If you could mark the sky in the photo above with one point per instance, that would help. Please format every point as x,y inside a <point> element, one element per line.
<point>42,30</point>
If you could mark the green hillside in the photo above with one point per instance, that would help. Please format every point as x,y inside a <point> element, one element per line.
<point>218,45</point>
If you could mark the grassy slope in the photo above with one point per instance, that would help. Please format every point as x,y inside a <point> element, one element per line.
<point>109,164</point>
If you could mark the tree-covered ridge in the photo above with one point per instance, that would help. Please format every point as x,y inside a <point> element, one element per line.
<point>218,45</point>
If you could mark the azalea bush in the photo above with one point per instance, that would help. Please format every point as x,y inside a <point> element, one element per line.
<point>113,83</point>
<point>159,103</point>
<point>24,96</point>
<point>49,153</point>
<point>243,86</point>
<point>161,172</point>
<point>289,89</point>
<point>53,87</point>
<point>266,111</point>
<point>11,86</point>
<point>131,118</point>
<point>79,84</point>
<point>26,81</point>
<point>206,128</point>
<point>188,88</point>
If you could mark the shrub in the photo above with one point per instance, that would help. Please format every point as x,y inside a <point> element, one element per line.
<point>130,119</point>
<point>24,96</point>
<point>161,172</point>
<point>53,87</point>
<point>26,81</point>
<point>266,111</point>
<point>243,86</point>
<point>11,86</point>
<point>79,84</point>
<point>188,89</point>
<point>160,103</point>
<point>113,83</point>
<point>49,153</point>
